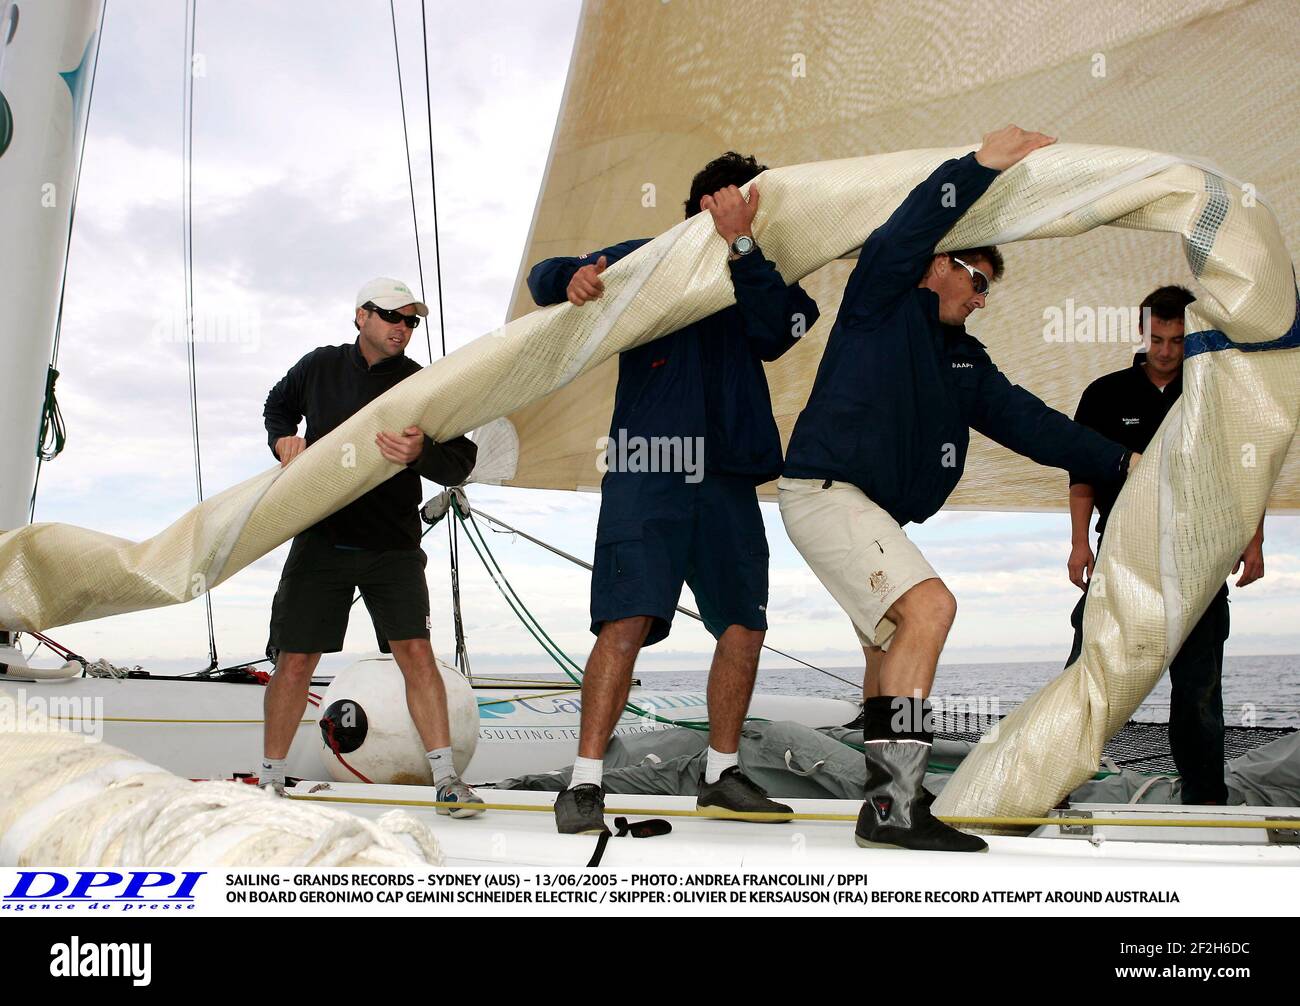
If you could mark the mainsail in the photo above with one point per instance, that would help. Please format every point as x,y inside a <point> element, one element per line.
<point>657,89</point>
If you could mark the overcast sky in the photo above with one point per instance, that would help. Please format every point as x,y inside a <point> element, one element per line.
<point>300,195</point>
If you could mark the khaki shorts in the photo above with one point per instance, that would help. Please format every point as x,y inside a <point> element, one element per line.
<point>855,548</point>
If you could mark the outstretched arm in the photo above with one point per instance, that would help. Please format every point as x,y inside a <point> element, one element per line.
<point>1022,422</point>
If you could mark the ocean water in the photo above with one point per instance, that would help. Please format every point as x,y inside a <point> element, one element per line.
<point>1257,691</point>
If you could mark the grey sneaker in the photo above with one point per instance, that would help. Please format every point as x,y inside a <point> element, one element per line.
<point>456,791</point>
<point>735,795</point>
<point>581,811</point>
<point>275,787</point>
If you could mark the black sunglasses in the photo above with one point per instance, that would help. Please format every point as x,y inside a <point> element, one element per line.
<point>393,317</point>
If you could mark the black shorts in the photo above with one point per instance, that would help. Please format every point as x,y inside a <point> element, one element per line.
<point>319,580</point>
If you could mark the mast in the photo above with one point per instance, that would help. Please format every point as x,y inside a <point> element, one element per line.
<point>48,51</point>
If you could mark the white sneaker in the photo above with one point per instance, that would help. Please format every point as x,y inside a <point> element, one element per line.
<point>454,790</point>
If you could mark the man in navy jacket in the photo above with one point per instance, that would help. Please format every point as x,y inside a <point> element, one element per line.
<point>882,441</point>
<point>691,437</point>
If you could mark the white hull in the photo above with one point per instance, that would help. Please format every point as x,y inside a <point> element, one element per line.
<point>213,730</point>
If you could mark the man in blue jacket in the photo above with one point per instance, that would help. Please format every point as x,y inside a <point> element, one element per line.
<point>882,441</point>
<point>692,436</point>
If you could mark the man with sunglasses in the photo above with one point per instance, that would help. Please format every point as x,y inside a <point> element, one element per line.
<point>882,441</point>
<point>372,544</point>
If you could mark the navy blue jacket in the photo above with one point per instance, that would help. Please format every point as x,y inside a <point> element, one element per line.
<point>897,391</point>
<point>705,380</point>
<point>326,387</point>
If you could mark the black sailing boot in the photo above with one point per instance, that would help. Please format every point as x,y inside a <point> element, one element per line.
<point>896,813</point>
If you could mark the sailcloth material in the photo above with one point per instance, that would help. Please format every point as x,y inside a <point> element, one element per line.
<point>1180,523</point>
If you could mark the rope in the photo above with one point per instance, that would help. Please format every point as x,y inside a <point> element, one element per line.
<point>51,413</point>
<point>187,257</point>
<point>991,822</point>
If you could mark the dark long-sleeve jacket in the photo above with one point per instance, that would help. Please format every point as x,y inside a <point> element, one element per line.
<point>329,385</point>
<point>897,391</point>
<point>705,380</point>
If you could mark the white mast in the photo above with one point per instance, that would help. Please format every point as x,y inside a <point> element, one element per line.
<point>47,55</point>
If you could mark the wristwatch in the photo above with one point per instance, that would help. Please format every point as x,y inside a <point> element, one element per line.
<point>742,246</point>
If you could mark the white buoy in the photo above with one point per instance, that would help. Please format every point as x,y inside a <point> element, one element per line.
<point>364,711</point>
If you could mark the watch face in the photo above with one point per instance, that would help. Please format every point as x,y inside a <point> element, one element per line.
<point>743,245</point>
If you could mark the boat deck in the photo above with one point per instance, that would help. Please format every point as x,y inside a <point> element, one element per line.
<point>527,837</point>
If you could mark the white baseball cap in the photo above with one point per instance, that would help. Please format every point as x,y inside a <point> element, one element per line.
<point>390,294</point>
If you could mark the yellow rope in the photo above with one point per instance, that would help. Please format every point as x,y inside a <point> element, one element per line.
<point>765,817</point>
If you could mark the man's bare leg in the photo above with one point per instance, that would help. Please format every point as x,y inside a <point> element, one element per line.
<point>724,792</point>
<point>607,680</point>
<point>924,615</point>
<point>426,696</point>
<point>731,685</point>
<point>285,702</point>
<point>897,734</point>
<point>426,701</point>
<point>871,677</point>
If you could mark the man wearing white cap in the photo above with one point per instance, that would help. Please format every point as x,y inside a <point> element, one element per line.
<point>372,544</point>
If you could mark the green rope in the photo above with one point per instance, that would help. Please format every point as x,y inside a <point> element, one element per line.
<point>53,435</point>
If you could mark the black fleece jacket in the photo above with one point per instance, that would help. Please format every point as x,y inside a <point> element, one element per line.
<point>326,387</point>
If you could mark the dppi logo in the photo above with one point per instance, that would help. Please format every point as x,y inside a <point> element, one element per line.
<point>136,890</point>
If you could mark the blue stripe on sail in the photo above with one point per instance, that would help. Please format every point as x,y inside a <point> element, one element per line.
<point>1212,340</point>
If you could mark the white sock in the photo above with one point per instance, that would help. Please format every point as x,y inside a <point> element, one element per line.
<point>719,763</point>
<point>587,770</point>
<point>272,771</point>
<point>441,763</point>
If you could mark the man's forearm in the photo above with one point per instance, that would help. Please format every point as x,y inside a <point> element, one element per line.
<point>1082,498</point>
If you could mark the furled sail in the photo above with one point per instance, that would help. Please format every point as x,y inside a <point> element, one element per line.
<point>657,89</point>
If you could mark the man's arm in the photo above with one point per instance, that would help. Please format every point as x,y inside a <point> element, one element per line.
<point>1023,423</point>
<point>1082,498</point>
<point>449,463</point>
<point>1251,562</point>
<point>548,280</point>
<point>774,316</point>
<point>1081,558</point>
<point>894,258</point>
<point>285,406</point>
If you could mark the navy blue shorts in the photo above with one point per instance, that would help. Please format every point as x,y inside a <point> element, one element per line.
<point>657,532</point>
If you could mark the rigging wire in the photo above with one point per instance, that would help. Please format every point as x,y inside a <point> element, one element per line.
<point>187,245</point>
<point>453,541</point>
<point>410,174</point>
<point>453,549</point>
<point>53,435</point>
